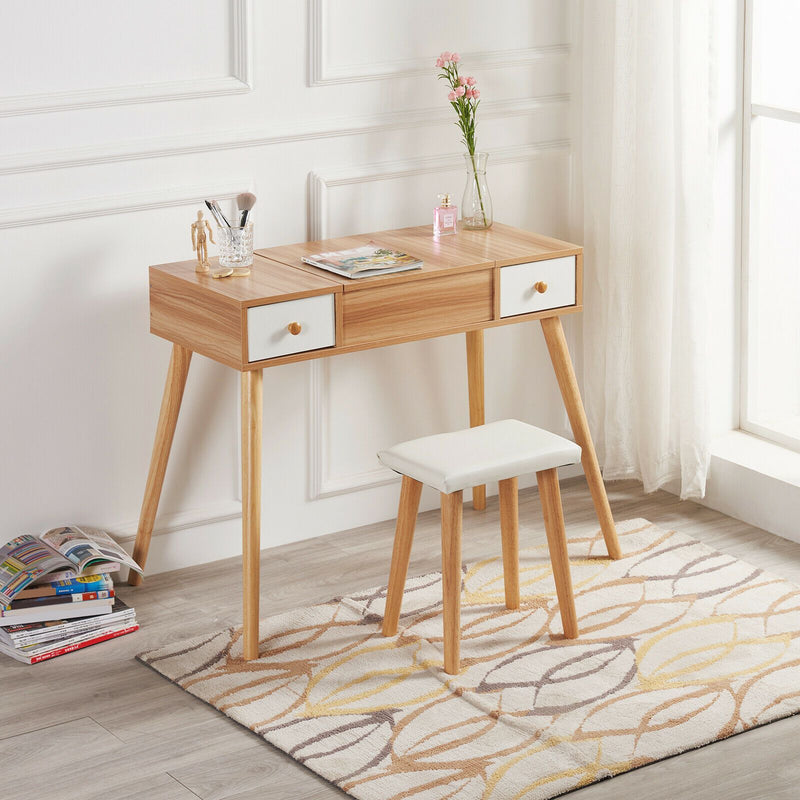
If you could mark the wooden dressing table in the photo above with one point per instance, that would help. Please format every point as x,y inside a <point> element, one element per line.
<point>288,311</point>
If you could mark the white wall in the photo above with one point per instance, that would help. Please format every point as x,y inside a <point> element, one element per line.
<point>119,118</point>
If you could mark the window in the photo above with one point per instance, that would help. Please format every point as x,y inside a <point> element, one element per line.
<point>770,397</point>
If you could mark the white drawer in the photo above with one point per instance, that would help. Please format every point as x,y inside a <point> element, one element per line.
<point>518,286</point>
<point>268,327</point>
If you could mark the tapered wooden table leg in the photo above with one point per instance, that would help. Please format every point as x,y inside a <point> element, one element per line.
<point>165,431</point>
<point>476,399</point>
<point>568,384</point>
<point>252,410</point>
<point>410,492</point>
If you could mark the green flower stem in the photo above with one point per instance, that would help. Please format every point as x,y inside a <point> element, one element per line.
<point>466,110</point>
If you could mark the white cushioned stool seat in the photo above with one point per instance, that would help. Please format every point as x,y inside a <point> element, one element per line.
<point>454,461</point>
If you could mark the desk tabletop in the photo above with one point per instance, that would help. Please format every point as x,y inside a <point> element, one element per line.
<point>467,250</point>
<point>271,281</point>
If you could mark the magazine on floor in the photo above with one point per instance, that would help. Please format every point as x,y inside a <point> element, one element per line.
<point>21,634</point>
<point>46,611</point>
<point>69,551</point>
<point>33,655</point>
<point>41,641</point>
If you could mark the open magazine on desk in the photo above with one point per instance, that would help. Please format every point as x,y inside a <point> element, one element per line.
<point>365,261</point>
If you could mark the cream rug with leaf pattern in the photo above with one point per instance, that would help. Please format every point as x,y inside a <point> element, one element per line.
<point>679,646</point>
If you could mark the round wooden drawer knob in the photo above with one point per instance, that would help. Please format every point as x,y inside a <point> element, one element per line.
<point>295,328</point>
<point>540,286</point>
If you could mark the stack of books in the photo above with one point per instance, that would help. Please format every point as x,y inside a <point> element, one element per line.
<point>57,594</point>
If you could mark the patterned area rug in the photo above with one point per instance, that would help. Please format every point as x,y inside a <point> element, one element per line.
<point>679,646</point>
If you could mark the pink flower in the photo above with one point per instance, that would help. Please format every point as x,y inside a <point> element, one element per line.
<point>439,62</point>
<point>459,92</point>
<point>476,93</point>
<point>470,81</point>
<point>451,96</point>
<point>455,58</point>
<point>469,93</point>
<point>462,81</point>
<point>446,56</point>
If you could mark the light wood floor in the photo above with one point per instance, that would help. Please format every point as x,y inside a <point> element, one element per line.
<point>98,724</point>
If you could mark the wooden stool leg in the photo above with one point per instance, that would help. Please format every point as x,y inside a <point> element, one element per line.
<point>568,384</point>
<point>451,579</point>
<point>165,431</point>
<point>550,495</point>
<point>252,412</point>
<point>509,530</point>
<point>476,399</point>
<point>403,536</point>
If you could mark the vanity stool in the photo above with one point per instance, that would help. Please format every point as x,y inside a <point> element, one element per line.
<point>452,462</point>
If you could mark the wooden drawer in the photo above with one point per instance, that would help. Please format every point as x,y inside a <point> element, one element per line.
<point>268,327</point>
<point>417,308</point>
<point>518,293</point>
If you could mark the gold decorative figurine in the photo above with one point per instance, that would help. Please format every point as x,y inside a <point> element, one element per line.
<point>199,245</point>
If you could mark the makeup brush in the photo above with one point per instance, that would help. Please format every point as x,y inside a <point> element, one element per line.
<point>215,203</point>
<point>213,207</point>
<point>245,201</point>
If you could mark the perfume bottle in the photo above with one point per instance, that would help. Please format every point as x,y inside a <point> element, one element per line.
<point>445,216</point>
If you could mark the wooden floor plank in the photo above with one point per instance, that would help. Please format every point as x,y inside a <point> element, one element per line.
<point>53,750</point>
<point>162,787</point>
<point>761,764</point>
<point>262,772</point>
<point>101,711</point>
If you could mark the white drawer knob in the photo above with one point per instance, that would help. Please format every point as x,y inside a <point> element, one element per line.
<point>540,286</point>
<point>295,328</point>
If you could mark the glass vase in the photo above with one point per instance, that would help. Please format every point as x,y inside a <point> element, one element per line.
<point>476,205</point>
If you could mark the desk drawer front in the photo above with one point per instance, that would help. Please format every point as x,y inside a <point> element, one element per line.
<point>272,330</point>
<point>518,286</point>
<point>417,308</point>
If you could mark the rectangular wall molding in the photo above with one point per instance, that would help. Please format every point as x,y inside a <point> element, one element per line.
<point>239,81</point>
<point>322,73</point>
<point>321,482</point>
<point>321,182</point>
<point>120,203</point>
<point>275,135</point>
<point>125,532</point>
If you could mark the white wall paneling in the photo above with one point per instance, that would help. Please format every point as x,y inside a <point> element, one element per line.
<point>320,183</point>
<point>123,27</point>
<point>120,204</point>
<point>102,181</point>
<point>435,20</point>
<point>275,134</point>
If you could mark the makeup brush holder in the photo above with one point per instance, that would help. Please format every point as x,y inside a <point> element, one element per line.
<point>235,246</point>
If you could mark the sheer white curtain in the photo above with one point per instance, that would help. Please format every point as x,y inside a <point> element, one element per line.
<point>644,162</point>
